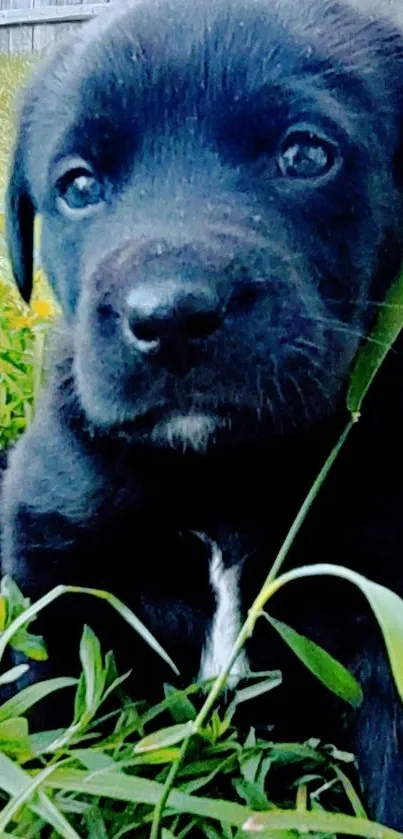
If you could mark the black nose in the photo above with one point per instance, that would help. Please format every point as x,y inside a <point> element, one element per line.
<point>159,315</point>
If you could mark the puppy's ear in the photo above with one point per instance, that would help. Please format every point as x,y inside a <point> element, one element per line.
<point>20,216</point>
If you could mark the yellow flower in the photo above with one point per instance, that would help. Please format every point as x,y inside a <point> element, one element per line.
<point>42,308</point>
<point>3,613</point>
<point>20,322</point>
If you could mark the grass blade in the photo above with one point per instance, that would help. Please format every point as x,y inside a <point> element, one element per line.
<point>316,822</point>
<point>13,674</point>
<point>373,352</point>
<point>121,787</point>
<point>15,782</point>
<point>386,605</point>
<point>165,737</point>
<point>29,696</point>
<point>113,601</point>
<point>329,671</point>
<point>23,797</point>
<point>125,788</point>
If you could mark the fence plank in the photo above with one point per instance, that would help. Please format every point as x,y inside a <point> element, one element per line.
<point>21,37</point>
<point>49,14</point>
<point>43,36</point>
<point>5,33</point>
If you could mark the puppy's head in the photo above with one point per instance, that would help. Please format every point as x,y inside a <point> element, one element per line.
<point>221,209</point>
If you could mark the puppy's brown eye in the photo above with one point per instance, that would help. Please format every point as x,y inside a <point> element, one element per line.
<point>305,155</point>
<point>79,192</point>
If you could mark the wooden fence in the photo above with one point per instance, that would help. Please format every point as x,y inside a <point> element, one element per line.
<point>32,26</point>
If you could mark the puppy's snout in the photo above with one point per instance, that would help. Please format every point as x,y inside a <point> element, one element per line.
<point>169,313</point>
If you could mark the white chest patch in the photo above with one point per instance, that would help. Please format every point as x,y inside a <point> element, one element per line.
<point>226,622</point>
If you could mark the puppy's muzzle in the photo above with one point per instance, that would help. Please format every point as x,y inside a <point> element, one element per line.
<point>174,301</point>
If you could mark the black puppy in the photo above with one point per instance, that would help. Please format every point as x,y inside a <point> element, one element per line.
<point>220,186</point>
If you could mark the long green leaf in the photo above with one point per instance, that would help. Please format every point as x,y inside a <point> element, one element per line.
<point>164,737</point>
<point>122,787</point>
<point>93,670</point>
<point>29,696</point>
<point>47,808</point>
<point>373,352</point>
<point>23,797</point>
<point>113,601</point>
<point>13,674</point>
<point>329,671</point>
<point>352,796</point>
<point>316,822</point>
<point>15,782</point>
<point>386,605</point>
<point>125,788</point>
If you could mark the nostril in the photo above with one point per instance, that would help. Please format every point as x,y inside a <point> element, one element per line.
<point>144,334</point>
<point>200,325</point>
<point>244,298</point>
<point>144,331</point>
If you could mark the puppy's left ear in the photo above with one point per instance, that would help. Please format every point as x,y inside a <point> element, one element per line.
<point>20,216</point>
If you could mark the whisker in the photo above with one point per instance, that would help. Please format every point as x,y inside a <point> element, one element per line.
<point>311,361</point>
<point>276,382</point>
<point>321,387</point>
<point>337,326</point>
<point>363,304</point>
<point>304,342</point>
<point>300,394</point>
<point>360,304</point>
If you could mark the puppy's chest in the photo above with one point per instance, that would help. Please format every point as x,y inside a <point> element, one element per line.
<point>215,560</point>
<point>192,584</point>
<point>226,559</point>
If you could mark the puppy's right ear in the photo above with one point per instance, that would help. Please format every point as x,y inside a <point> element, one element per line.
<point>20,216</point>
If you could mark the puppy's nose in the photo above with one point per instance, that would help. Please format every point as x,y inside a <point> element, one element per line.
<point>159,315</point>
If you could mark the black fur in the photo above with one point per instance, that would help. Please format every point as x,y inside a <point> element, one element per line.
<point>250,292</point>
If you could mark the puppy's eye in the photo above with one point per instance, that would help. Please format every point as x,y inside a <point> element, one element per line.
<point>306,155</point>
<point>79,192</point>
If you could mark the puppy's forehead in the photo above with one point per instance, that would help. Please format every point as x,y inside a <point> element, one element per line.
<point>151,61</point>
<point>177,51</point>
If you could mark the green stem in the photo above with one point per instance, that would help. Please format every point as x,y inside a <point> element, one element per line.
<point>304,509</point>
<point>171,777</point>
<point>247,628</point>
<point>255,609</point>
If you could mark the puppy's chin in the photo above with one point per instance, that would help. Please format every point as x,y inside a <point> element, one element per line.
<point>186,431</point>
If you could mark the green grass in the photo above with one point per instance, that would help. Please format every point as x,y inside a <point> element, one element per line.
<point>180,768</point>
<point>22,329</point>
<point>107,786</point>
